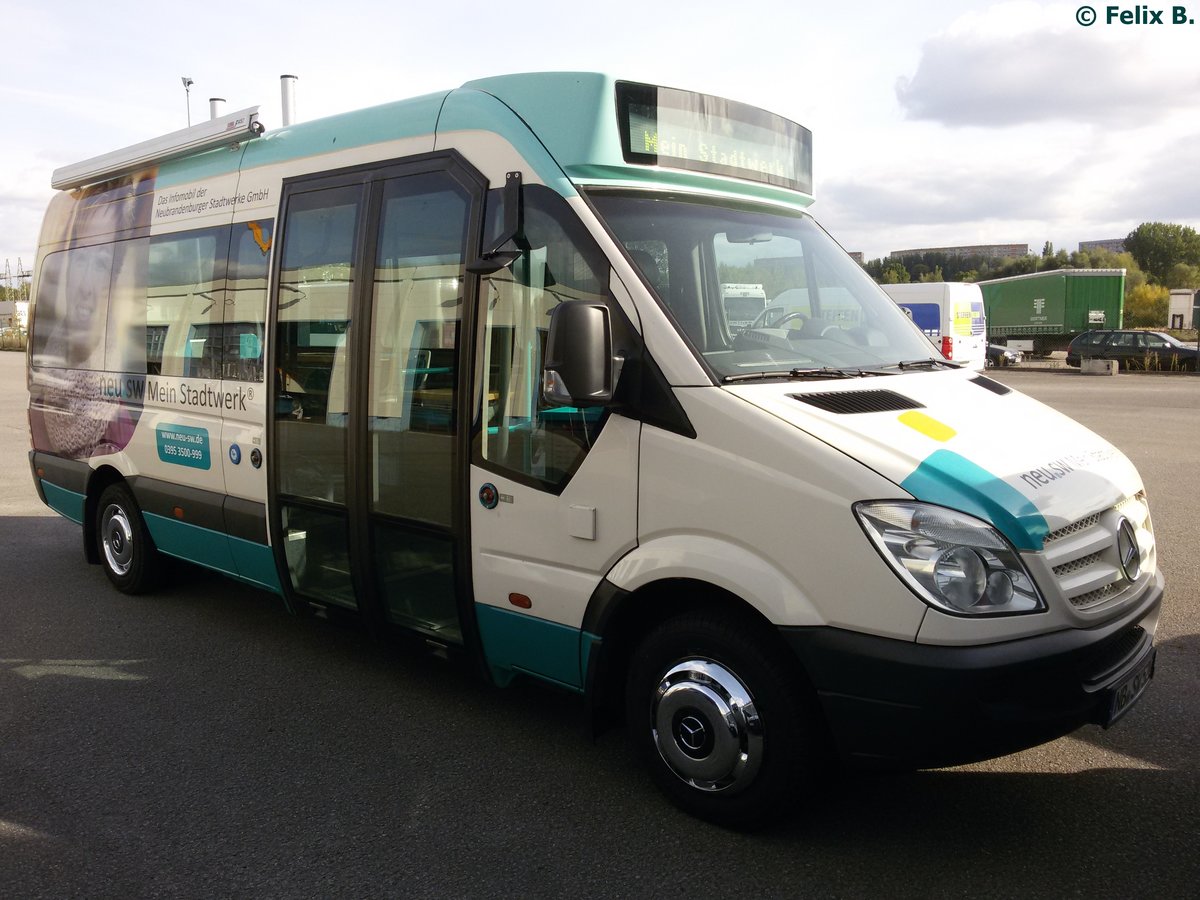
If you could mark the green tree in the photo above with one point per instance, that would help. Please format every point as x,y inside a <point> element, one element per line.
<point>1146,306</point>
<point>1134,279</point>
<point>1017,265</point>
<point>932,277</point>
<point>1183,276</point>
<point>1157,246</point>
<point>894,273</point>
<point>1106,259</point>
<point>1052,261</point>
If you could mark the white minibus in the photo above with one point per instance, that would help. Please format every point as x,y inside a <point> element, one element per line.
<point>460,366</point>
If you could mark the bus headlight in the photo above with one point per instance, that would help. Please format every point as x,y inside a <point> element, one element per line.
<point>953,561</point>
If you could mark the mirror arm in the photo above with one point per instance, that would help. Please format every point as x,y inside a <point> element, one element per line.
<point>497,258</point>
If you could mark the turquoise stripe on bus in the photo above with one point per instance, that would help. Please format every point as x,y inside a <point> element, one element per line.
<point>238,558</point>
<point>588,644</point>
<point>517,642</point>
<point>191,542</point>
<point>389,122</point>
<point>416,117</point>
<point>67,504</point>
<point>212,164</point>
<point>954,481</point>
<point>255,564</point>
<point>471,110</point>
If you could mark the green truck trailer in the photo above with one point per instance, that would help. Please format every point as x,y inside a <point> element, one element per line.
<point>1050,308</point>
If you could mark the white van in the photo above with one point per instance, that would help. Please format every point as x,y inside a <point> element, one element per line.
<point>950,314</point>
<point>459,366</point>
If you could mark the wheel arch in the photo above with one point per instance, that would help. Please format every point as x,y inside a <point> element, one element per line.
<point>100,479</point>
<point>738,570</point>
<point>617,620</point>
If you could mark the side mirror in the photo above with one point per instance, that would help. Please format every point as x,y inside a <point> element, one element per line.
<point>578,370</point>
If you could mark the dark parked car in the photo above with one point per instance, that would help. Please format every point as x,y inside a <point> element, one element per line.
<point>1150,350</point>
<point>999,355</point>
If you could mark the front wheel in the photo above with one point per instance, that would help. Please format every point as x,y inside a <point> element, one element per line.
<point>127,552</point>
<point>724,719</point>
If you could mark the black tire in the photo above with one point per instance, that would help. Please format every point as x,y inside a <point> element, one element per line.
<point>683,681</point>
<point>123,543</point>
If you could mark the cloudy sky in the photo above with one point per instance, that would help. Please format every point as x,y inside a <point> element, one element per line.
<point>934,123</point>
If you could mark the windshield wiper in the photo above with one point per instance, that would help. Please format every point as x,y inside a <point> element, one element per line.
<point>929,363</point>
<point>822,372</point>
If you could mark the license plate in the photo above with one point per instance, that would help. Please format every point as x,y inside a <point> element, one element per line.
<point>1124,695</point>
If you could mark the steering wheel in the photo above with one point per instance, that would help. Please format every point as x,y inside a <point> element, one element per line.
<point>789,317</point>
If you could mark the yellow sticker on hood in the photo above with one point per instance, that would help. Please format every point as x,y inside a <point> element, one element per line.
<point>928,426</point>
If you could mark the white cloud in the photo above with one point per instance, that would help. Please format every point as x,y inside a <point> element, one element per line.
<point>1167,182</point>
<point>1022,62</point>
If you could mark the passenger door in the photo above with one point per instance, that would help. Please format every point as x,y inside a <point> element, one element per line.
<point>369,456</point>
<point>553,489</point>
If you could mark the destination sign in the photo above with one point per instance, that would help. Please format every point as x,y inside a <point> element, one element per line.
<point>684,130</point>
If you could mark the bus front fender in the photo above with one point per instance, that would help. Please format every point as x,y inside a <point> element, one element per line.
<point>734,568</point>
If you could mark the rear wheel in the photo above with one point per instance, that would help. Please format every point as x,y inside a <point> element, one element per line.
<point>724,719</point>
<point>126,550</point>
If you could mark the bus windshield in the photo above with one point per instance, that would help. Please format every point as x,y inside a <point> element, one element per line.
<point>822,312</point>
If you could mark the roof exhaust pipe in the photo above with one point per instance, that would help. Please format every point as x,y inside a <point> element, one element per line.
<point>216,107</point>
<point>287,88</point>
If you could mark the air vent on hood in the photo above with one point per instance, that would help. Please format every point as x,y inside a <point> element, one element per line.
<point>854,402</point>
<point>994,386</point>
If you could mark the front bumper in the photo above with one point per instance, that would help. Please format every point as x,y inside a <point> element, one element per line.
<point>896,704</point>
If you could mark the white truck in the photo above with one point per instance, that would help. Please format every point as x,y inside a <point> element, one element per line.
<point>950,314</point>
<point>743,303</point>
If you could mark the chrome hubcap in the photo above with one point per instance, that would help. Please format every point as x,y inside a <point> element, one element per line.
<point>706,727</point>
<point>117,535</point>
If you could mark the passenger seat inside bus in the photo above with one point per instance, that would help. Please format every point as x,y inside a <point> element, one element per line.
<point>648,266</point>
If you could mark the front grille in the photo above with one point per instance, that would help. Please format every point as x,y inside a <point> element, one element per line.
<point>1073,528</point>
<point>1084,554</point>
<point>1096,597</point>
<point>1077,565</point>
<point>1114,655</point>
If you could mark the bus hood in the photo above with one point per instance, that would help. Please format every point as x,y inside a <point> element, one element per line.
<point>961,440</point>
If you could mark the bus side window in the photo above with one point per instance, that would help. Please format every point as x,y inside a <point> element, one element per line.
<point>416,310</point>
<point>126,341</point>
<point>316,281</point>
<point>246,300</point>
<point>85,319</point>
<point>520,432</point>
<point>185,302</point>
<point>47,341</point>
